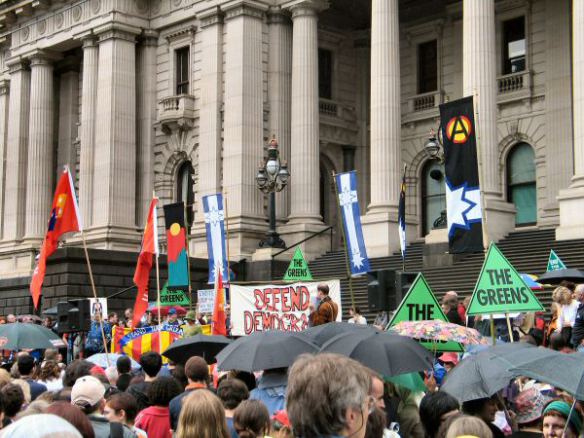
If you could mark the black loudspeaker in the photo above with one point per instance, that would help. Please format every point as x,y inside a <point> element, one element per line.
<point>403,282</point>
<point>380,286</point>
<point>73,316</point>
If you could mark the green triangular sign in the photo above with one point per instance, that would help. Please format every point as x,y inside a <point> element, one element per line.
<point>298,268</point>
<point>420,304</point>
<point>500,288</point>
<point>174,297</point>
<point>554,262</point>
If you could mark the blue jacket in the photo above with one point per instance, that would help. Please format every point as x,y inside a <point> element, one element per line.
<point>271,391</point>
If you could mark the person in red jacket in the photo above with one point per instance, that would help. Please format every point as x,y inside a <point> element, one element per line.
<point>155,420</point>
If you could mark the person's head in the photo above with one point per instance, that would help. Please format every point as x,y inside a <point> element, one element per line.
<point>112,375</point>
<point>10,318</point>
<point>570,285</point>
<point>376,423</point>
<point>25,364</point>
<point>52,354</point>
<point>128,313</point>
<point>450,297</point>
<point>112,318</point>
<point>73,415</point>
<point>5,378</point>
<point>13,398</point>
<point>41,426</point>
<point>335,403</point>
<point>190,317</point>
<point>251,419</point>
<point>468,426</point>
<point>435,408</point>
<point>563,294</point>
<point>172,314</point>
<point>202,415</point>
<point>355,311</point>
<point>322,290</point>
<point>557,341</point>
<point>483,408</point>
<point>151,363</point>
<point>197,370</point>
<point>378,390</point>
<point>76,369</point>
<point>529,405</point>
<point>555,416</point>
<point>232,392</point>
<point>579,293</point>
<point>87,394</point>
<point>49,370</point>
<point>124,365</point>
<point>122,408</point>
<point>38,406</point>
<point>162,390</point>
<point>449,360</point>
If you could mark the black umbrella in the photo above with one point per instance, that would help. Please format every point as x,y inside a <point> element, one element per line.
<point>483,374</point>
<point>386,353</point>
<point>17,336</point>
<point>321,334</point>
<point>557,276</point>
<point>198,345</point>
<point>264,351</point>
<point>51,311</point>
<point>564,371</point>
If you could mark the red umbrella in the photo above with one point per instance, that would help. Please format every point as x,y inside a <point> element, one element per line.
<point>180,311</point>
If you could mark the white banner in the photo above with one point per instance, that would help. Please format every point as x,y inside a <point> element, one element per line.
<point>205,300</point>
<point>98,305</point>
<point>276,307</point>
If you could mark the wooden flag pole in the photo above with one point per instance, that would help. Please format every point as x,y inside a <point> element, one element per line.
<point>509,327</point>
<point>226,219</point>
<point>404,251</point>
<point>480,166</point>
<point>189,257</point>
<point>493,334</point>
<point>158,289</point>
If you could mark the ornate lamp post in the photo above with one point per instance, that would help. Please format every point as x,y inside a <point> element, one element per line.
<point>435,151</point>
<point>272,177</point>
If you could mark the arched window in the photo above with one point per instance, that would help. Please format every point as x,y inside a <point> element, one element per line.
<point>521,187</point>
<point>433,196</point>
<point>184,189</point>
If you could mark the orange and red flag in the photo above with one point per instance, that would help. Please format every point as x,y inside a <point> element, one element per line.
<point>64,219</point>
<point>144,266</point>
<point>219,326</point>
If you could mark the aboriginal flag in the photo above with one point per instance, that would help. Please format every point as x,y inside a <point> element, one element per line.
<point>176,239</point>
<point>463,198</point>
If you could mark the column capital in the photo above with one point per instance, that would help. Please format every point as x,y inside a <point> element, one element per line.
<point>117,31</point>
<point>89,42</point>
<point>43,57</point>
<point>210,16</point>
<point>149,37</point>
<point>306,7</point>
<point>248,8</point>
<point>4,86</point>
<point>278,15</point>
<point>16,64</point>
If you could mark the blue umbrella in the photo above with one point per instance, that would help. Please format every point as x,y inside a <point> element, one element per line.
<point>100,360</point>
<point>533,285</point>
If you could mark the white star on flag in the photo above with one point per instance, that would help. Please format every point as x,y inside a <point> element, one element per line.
<point>462,206</point>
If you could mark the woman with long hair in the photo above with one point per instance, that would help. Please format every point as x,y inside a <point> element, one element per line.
<point>49,374</point>
<point>202,415</point>
<point>251,419</point>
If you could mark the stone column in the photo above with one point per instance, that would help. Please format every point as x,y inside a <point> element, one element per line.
<point>305,155</point>
<point>571,200</point>
<point>380,223</point>
<point>243,125</point>
<point>87,132</point>
<point>40,171</point>
<point>114,204</point>
<point>68,116</point>
<point>279,91</point>
<point>16,150</point>
<point>146,114</point>
<point>479,79</point>
<point>4,97</point>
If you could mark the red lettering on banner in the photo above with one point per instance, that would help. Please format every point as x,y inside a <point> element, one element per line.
<point>261,321</point>
<point>285,299</point>
<point>260,299</point>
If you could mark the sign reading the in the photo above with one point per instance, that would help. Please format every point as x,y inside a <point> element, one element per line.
<point>500,288</point>
<point>298,268</point>
<point>420,304</point>
<point>205,300</point>
<point>173,297</point>
<point>554,262</point>
<point>276,307</point>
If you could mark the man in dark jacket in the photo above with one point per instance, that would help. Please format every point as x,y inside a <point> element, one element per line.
<point>578,328</point>
<point>197,372</point>
<point>25,364</point>
<point>327,309</point>
<point>151,363</point>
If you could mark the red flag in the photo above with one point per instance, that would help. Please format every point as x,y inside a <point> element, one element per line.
<point>144,266</point>
<point>219,326</point>
<point>64,219</point>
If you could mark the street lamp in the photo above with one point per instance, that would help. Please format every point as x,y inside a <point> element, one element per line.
<point>433,147</point>
<point>272,177</point>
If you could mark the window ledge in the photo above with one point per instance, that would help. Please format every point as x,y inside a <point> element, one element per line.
<point>514,86</point>
<point>176,112</point>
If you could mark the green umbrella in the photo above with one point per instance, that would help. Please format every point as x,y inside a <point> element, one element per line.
<point>411,381</point>
<point>17,336</point>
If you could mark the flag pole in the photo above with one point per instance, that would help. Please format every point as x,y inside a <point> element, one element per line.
<point>404,249</point>
<point>189,257</point>
<point>158,288</point>
<point>226,219</point>
<point>480,166</point>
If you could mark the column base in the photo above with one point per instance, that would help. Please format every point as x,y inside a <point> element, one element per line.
<point>380,231</point>
<point>500,217</point>
<point>17,259</point>
<point>571,201</point>
<point>437,236</point>
<point>295,232</point>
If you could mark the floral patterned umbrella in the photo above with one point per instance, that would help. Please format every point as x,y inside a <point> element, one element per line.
<point>438,331</point>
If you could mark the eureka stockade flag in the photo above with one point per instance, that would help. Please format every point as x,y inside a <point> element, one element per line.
<point>463,199</point>
<point>216,242</point>
<point>176,239</point>
<point>500,288</point>
<point>420,304</point>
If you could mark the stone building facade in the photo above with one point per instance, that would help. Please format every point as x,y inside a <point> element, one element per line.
<point>180,97</point>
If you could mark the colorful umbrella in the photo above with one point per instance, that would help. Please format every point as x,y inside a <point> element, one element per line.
<point>180,311</point>
<point>529,280</point>
<point>438,331</point>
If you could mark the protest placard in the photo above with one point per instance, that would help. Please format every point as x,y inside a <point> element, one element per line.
<point>205,300</point>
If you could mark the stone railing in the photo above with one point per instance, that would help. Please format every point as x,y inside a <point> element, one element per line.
<point>514,86</point>
<point>328,107</point>
<point>424,101</point>
<point>176,110</point>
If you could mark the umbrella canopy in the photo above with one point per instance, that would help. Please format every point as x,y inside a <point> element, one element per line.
<point>530,281</point>
<point>17,336</point>
<point>198,345</point>
<point>386,353</point>
<point>438,331</point>
<point>99,359</point>
<point>483,374</point>
<point>180,311</point>
<point>564,371</point>
<point>556,277</point>
<point>321,334</point>
<point>51,311</point>
<point>264,351</point>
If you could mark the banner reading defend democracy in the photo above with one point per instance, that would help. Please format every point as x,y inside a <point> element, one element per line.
<point>276,307</point>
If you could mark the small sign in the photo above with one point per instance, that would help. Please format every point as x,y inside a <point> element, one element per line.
<point>173,297</point>
<point>205,300</point>
<point>420,304</point>
<point>98,305</point>
<point>554,262</point>
<point>298,268</point>
<point>500,288</point>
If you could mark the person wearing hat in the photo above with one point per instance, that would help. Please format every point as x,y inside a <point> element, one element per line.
<point>172,317</point>
<point>529,405</point>
<point>449,361</point>
<point>555,415</point>
<point>191,328</point>
<point>88,395</point>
